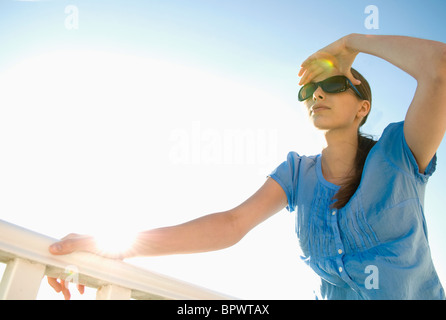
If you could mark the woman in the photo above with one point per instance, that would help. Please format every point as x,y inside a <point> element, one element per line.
<point>359,203</point>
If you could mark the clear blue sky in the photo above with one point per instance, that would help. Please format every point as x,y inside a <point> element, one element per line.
<point>92,119</point>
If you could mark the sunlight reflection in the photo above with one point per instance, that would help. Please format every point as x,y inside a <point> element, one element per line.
<point>114,243</point>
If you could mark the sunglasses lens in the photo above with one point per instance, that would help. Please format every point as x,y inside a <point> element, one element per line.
<point>334,85</point>
<point>307,91</point>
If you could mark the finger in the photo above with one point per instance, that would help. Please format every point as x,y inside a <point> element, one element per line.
<point>57,248</point>
<point>82,243</point>
<point>317,57</point>
<point>304,80</point>
<point>307,65</point>
<point>81,288</point>
<point>355,81</point>
<point>54,284</point>
<point>311,74</point>
<point>307,62</point>
<point>61,247</point>
<point>65,289</point>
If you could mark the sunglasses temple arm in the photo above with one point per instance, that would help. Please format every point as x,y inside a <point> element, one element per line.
<point>355,89</point>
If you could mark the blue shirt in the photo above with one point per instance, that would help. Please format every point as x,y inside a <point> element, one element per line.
<point>376,246</point>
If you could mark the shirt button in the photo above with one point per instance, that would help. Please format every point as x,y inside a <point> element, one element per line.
<point>340,251</point>
<point>340,269</point>
<point>333,213</point>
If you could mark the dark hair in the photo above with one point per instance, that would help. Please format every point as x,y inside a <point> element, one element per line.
<point>365,144</point>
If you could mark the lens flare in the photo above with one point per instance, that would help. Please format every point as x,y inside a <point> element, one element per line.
<point>326,64</point>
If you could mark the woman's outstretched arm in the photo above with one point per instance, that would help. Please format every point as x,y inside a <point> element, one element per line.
<point>215,231</point>
<point>208,233</point>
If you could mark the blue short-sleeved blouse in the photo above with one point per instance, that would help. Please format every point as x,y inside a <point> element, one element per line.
<point>376,246</point>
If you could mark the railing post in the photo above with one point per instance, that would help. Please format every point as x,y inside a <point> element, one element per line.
<point>113,292</point>
<point>21,280</point>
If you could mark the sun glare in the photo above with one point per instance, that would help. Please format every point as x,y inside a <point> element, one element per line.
<point>89,136</point>
<point>114,243</point>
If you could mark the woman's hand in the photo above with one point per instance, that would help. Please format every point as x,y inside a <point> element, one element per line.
<point>74,242</point>
<point>336,58</point>
<point>70,243</point>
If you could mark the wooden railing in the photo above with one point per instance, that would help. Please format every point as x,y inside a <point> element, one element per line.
<point>27,260</point>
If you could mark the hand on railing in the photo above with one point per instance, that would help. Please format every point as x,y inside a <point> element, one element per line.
<point>70,243</point>
<point>74,242</point>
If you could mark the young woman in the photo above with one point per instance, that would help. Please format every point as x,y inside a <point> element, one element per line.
<point>360,202</point>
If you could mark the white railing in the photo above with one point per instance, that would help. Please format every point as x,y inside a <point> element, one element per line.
<point>27,261</point>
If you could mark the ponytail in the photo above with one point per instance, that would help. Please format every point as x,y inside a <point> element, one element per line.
<point>351,184</point>
<point>365,144</point>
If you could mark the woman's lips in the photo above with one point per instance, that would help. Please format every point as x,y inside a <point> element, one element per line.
<point>319,108</point>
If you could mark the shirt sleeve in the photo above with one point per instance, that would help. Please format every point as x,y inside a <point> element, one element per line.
<point>398,153</point>
<point>286,175</point>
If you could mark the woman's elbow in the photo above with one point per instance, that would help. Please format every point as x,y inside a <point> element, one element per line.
<point>433,70</point>
<point>238,229</point>
<point>439,71</point>
<point>442,66</point>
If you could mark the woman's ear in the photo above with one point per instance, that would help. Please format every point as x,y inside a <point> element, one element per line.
<point>364,109</point>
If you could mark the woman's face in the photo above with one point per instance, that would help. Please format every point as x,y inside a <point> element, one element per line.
<point>336,110</point>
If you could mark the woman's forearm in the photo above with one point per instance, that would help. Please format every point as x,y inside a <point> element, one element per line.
<point>418,57</point>
<point>211,232</point>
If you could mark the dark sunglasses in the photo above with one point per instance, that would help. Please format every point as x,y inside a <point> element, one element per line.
<point>334,84</point>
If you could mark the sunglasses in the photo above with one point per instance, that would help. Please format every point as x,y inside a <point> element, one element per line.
<point>334,84</point>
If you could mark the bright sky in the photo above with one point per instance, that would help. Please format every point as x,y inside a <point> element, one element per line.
<point>138,114</point>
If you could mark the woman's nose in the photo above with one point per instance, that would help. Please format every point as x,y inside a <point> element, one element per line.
<point>318,94</point>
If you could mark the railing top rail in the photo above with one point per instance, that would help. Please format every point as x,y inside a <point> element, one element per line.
<point>95,271</point>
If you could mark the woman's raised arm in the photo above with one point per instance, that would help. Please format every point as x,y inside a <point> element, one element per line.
<point>425,60</point>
